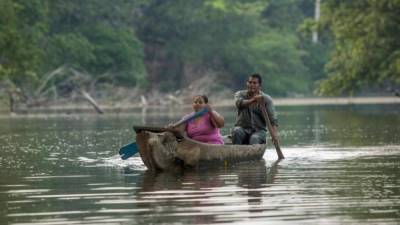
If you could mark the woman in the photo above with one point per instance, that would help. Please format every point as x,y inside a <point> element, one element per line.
<point>206,127</point>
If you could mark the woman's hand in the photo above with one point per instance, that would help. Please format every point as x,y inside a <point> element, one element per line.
<point>175,130</point>
<point>169,127</point>
<point>208,107</point>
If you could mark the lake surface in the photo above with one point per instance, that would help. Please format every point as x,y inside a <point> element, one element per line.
<point>342,166</point>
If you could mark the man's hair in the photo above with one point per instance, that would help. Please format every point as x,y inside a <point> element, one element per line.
<point>257,76</point>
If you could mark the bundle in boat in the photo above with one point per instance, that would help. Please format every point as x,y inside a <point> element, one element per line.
<point>163,150</point>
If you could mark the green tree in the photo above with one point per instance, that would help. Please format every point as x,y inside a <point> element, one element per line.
<point>367,47</point>
<point>232,38</point>
<point>165,43</point>
<point>97,37</point>
<point>22,26</point>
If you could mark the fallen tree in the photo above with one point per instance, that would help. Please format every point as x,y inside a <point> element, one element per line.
<point>62,84</point>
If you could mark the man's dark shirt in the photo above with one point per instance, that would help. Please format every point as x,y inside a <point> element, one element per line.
<point>251,117</point>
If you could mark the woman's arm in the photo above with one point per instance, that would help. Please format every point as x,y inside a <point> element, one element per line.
<point>178,131</point>
<point>216,119</point>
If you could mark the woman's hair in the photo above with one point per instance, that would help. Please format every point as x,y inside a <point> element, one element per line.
<point>204,97</point>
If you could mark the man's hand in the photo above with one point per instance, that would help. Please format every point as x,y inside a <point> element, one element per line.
<point>257,99</point>
<point>274,140</point>
<point>274,136</point>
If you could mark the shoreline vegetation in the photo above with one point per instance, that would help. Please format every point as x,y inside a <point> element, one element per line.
<point>111,108</point>
<point>82,56</point>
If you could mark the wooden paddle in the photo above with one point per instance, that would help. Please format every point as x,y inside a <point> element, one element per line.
<point>131,149</point>
<point>270,129</point>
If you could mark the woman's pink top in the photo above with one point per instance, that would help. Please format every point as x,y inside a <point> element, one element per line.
<point>201,129</point>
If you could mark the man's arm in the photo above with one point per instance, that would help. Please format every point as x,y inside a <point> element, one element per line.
<point>269,105</point>
<point>273,118</point>
<point>241,102</point>
<point>248,102</point>
<point>275,137</point>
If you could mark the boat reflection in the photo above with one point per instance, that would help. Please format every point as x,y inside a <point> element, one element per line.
<point>205,196</point>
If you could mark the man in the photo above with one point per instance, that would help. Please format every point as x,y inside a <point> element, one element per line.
<point>250,127</point>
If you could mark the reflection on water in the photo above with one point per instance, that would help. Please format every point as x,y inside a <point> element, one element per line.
<point>340,168</point>
<point>206,196</point>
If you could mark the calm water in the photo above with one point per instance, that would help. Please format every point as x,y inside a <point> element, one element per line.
<point>342,166</point>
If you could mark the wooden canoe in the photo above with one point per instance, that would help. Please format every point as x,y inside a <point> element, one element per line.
<point>162,150</point>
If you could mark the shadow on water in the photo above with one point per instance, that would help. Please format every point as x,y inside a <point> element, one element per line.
<point>249,174</point>
<point>199,197</point>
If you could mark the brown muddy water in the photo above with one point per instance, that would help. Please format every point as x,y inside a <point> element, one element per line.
<point>342,166</point>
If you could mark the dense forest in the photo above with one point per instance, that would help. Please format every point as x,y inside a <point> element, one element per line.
<point>366,52</point>
<point>51,48</point>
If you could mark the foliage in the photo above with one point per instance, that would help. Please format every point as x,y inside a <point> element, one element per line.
<point>367,47</point>
<point>97,37</point>
<point>22,26</point>
<point>235,38</point>
<point>161,45</point>
<point>39,36</point>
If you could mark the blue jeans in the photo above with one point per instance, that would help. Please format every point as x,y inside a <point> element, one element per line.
<point>241,136</point>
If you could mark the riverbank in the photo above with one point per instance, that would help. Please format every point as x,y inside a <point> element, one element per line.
<point>332,101</point>
<point>120,107</point>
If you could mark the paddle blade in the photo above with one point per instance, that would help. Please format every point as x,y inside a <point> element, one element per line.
<point>128,150</point>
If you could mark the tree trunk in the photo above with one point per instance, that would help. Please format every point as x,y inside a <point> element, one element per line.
<point>91,101</point>
<point>11,102</point>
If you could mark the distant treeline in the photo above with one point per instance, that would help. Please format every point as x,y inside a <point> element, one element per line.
<point>166,45</point>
